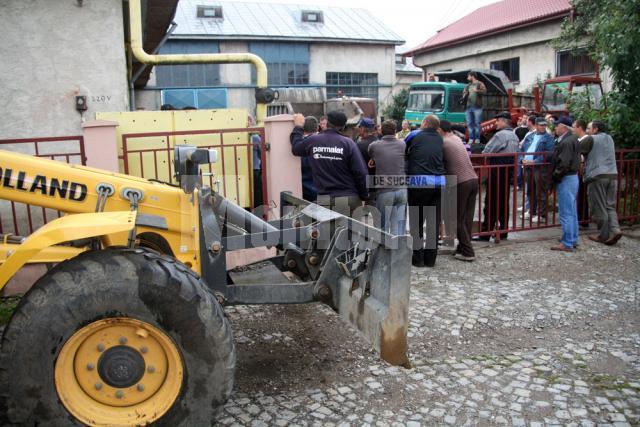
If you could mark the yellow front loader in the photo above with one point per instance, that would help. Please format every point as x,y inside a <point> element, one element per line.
<point>128,327</point>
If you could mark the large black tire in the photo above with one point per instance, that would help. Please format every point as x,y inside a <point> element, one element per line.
<point>138,284</point>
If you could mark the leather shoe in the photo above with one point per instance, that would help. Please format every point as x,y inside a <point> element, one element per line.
<point>562,248</point>
<point>595,238</point>
<point>613,239</point>
<point>481,238</point>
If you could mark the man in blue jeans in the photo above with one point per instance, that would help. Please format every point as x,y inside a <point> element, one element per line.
<point>566,163</point>
<point>473,113</point>
<point>387,155</point>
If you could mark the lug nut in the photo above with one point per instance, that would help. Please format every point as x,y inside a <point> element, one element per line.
<point>119,394</point>
<point>90,366</point>
<point>151,369</point>
<point>100,347</point>
<point>313,259</point>
<point>140,387</point>
<point>123,340</point>
<point>98,386</point>
<point>143,350</point>
<point>291,263</point>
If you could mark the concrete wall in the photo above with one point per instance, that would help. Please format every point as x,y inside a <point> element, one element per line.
<point>403,81</point>
<point>324,57</point>
<point>53,50</point>
<point>531,45</point>
<point>355,58</point>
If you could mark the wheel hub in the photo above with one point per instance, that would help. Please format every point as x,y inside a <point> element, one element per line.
<point>119,371</point>
<point>121,366</point>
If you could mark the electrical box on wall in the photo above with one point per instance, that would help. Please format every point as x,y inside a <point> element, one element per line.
<point>81,103</point>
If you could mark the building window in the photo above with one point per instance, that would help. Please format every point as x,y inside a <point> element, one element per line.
<point>188,75</point>
<point>569,63</point>
<point>511,67</point>
<point>363,85</point>
<point>209,12</point>
<point>198,98</point>
<point>287,63</point>
<point>400,60</point>
<point>313,16</point>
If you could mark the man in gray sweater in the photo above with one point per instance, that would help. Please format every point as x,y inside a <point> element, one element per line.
<point>601,173</point>
<point>387,155</point>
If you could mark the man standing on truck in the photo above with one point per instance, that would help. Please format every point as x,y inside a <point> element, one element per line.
<point>472,95</point>
<point>601,172</point>
<point>496,199</point>
<point>565,164</point>
<point>535,170</point>
<point>339,171</point>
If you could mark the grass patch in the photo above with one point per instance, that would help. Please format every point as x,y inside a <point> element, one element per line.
<point>7,307</point>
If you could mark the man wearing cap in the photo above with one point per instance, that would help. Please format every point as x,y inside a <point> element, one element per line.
<point>496,200</point>
<point>339,171</point>
<point>565,163</point>
<point>535,170</point>
<point>601,172</point>
<point>367,136</point>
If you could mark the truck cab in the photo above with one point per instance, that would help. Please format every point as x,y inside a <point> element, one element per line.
<point>439,98</point>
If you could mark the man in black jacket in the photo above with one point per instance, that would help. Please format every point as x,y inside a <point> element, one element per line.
<point>339,171</point>
<point>425,167</point>
<point>565,163</point>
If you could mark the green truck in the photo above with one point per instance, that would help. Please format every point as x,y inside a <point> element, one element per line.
<point>443,98</point>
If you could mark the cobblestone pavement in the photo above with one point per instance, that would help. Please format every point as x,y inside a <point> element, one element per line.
<point>523,337</point>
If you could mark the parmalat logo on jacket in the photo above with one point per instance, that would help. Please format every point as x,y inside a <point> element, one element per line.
<point>319,151</point>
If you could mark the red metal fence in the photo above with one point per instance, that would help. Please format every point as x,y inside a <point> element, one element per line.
<point>515,196</point>
<point>21,219</point>
<point>150,155</point>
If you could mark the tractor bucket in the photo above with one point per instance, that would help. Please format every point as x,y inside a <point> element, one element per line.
<point>364,275</point>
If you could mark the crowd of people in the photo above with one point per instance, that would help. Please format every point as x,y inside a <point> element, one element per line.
<point>404,173</point>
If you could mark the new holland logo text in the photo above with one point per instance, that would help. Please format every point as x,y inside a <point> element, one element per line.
<point>41,184</point>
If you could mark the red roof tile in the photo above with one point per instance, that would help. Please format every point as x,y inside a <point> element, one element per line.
<point>495,18</point>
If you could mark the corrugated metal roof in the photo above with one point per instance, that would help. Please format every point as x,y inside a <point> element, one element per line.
<point>494,18</point>
<point>255,20</point>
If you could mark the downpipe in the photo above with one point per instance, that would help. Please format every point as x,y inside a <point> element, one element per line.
<point>135,25</point>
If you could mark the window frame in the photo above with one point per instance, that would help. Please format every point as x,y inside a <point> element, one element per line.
<point>336,81</point>
<point>569,52</point>
<point>510,61</point>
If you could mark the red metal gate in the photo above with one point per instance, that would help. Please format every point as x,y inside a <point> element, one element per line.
<point>21,219</point>
<point>500,188</point>
<point>150,155</point>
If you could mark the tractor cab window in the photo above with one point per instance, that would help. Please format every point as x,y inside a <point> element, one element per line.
<point>555,96</point>
<point>593,91</point>
<point>426,100</point>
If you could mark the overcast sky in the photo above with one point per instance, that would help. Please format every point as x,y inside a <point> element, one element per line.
<point>414,20</point>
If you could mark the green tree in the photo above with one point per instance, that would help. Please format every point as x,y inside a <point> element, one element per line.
<point>609,31</point>
<point>395,110</point>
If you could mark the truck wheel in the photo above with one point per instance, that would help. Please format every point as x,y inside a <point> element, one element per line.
<point>116,337</point>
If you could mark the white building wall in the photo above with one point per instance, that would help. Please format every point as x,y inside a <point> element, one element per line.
<point>53,50</point>
<point>531,45</point>
<point>354,58</point>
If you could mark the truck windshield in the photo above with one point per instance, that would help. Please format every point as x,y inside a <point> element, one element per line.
<point>594,92</point>
<point>426,100</point>
<point>555,96</point>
